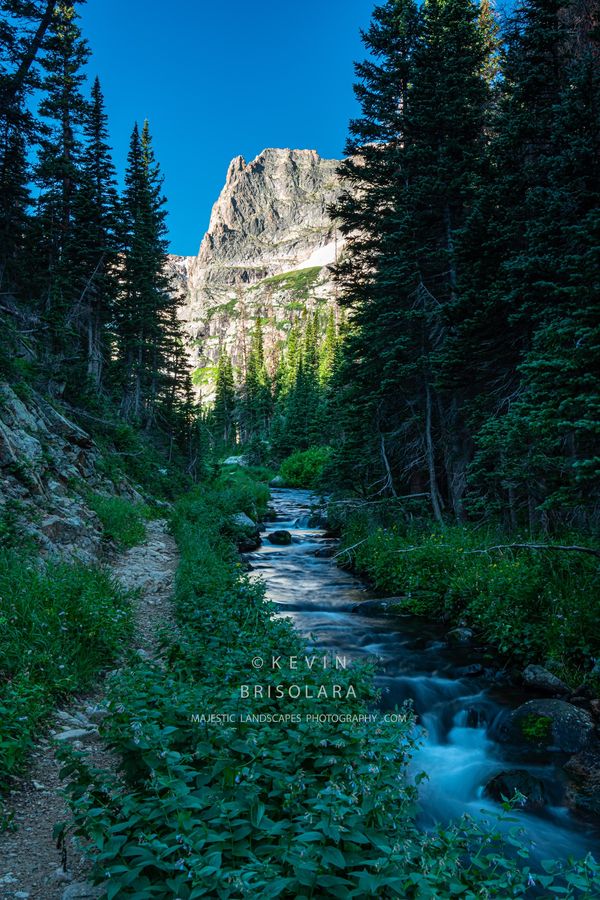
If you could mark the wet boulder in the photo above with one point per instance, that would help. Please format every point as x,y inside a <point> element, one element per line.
<point>247,543</point>
<point>278,481</point>
<point>326,552</point>
<point>387,606</point>
<point>243,521</point>
<point>460,635</point>
<point>540,679</point>
<point>472,671</point>
<point>280,538</point>
<point>245,532</point>
<point>548,725</point>
<point>318,520</point>
<point>505,785</point>
<point>583,792</point>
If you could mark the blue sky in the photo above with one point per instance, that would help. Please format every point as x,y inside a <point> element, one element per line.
<point>218,79</point>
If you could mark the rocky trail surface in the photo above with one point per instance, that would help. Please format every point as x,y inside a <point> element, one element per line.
<point>31,865</point>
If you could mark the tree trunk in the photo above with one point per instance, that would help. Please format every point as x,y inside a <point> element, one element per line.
<point>15,85</point>
<point>430,454</point>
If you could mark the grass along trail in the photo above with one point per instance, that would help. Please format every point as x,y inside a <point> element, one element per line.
<point>31,865</point>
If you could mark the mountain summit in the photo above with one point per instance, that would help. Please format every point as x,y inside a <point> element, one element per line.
<point>265,254</point>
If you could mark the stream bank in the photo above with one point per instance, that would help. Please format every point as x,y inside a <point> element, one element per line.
<point>466,717</point>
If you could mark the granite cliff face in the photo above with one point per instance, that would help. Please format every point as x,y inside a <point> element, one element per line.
<point>266,254</point>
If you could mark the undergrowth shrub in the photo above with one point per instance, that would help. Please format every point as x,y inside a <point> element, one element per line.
<point>305,468</point>
<point>59,626</point>
<point>530,604</point>
<point>123,521</point>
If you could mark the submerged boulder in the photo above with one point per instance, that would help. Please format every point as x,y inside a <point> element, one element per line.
<point>281,538</point>
<point>550,725</point>
<point>326,552</point>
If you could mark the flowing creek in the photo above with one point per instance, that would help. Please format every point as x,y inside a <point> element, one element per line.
<point>458,713</point>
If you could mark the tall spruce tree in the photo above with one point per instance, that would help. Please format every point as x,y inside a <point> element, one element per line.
<point>94,241</point>
<point>58,175</point>
<point>145,293</point>
<point>24,24</point>
<point>257,400</point>
<point>536,448</point>
<point>423,124</point>
<point>224,412</point>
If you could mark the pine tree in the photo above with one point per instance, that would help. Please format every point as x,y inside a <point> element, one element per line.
<point>94,243</point>
<point>416,158</point>
<point>224,412</point>
<point>328,352</point>
<point>58,173</point>
<point>145,293</point>
<point>24,26</point>
<point>257,404</point>
<point>536,448</point>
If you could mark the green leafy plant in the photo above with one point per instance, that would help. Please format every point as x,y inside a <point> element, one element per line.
<point>122,520</point>
<point>530,604</point>
<point>305,468</point>
<point>60,625</point>
<point>536,729</point>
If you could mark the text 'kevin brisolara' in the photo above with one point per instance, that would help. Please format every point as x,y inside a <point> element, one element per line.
<point>296,718</point>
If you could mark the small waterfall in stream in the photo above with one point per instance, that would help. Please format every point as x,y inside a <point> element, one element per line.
<point>456,714</point>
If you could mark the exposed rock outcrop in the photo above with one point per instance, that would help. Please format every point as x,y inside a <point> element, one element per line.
<point>42,454</point>
<point>265,254</point>
<point>47,463</point>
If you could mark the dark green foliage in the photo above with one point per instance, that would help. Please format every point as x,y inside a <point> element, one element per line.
<point>123,521</point>
<point>220,809</point>
<point>82,272</point>
<point>533,605</point>
<point>305,469</point>
<point>468,369</point>
<point>60,626</point>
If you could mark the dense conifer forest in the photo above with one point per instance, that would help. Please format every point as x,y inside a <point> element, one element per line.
<point>443,410</point>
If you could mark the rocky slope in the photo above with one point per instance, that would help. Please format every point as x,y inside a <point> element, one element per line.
<point>266,253</point>
<point>48,463</point>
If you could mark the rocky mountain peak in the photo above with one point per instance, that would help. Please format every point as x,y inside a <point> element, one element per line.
<point>271,218</point>
<point>270,211</point>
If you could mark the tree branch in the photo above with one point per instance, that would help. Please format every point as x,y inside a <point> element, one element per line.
<point>348,549</point>
<point>567,547</point>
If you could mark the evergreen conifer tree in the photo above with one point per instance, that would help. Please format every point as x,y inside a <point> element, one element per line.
<point>224,413</point>
<point>58,175</point>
